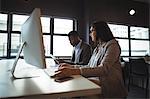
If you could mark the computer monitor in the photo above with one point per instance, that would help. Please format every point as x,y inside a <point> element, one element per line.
<point>31,33</point>
<point>32,38</point>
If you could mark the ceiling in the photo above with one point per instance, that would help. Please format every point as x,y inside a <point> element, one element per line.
<point>145,1</point>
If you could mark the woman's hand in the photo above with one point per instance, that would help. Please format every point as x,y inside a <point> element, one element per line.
<point>63,72</point>
<point>66,72</point>
<point>61,65</point>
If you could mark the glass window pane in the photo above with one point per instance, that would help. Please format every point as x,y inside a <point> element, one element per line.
<point>3,21</point>
<point>62,46</point>
<point>63,26</point>
<point>139,48</point>
<point>119,30</point>
<point>126,59</point>
<point>139,32</point>
<point>3,44</point>
<point>45,24</point>
<point>46,39</point>
<point>15,43</point>
<point>124,44</point>
<point>18,20</point>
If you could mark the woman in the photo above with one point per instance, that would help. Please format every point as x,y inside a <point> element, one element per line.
<point>104,64</point>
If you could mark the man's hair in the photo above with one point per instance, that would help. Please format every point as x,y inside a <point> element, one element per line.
<point>73,33</point>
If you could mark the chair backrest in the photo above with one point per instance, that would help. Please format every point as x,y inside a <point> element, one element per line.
<point>138,66</point>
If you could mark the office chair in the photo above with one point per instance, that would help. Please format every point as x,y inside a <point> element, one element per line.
<point>139,69</point>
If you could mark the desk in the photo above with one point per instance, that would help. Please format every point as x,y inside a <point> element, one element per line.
<point>43,86</point>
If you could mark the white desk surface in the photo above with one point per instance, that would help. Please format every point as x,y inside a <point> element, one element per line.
<point>42,86</point>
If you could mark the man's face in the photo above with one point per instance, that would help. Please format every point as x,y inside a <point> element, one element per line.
<point>73,40</point>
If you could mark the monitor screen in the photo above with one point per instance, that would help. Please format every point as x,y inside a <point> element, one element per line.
<point>32,35</point>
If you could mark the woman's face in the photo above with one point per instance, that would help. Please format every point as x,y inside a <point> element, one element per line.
<point>93,34</point>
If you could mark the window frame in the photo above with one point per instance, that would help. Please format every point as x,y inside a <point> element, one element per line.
<point>9,32</point>
<point>130,39</point>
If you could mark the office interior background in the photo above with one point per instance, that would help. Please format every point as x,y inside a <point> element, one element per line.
<point>58,17</point>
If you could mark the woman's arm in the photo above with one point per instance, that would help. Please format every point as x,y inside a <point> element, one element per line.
<point>111,56</point>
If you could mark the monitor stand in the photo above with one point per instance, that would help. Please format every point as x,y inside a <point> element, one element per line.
<point>16,59</point>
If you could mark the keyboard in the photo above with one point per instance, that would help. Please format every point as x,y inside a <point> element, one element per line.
<point>51,70</point>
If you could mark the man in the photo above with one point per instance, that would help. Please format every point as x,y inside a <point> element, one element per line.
<point>82,51</point>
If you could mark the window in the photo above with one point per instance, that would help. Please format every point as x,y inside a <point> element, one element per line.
<point>3,35</point>
<point>62,46</point>
<point>60,39</point>
<point>63,26</point>
<point>139,48</point>
<point>124,44</point>
<point>139,32</point>
<point>134,43</point>
<point>119,30</point>
<point>46,40</point>
<point>45,21</point>
<point>18,20</point>
<point>139,41</point>
<point>3,44</point>
<point>137,44</point>
<point>53,42</point>
<point>15,43</point>
<point>3,22</point>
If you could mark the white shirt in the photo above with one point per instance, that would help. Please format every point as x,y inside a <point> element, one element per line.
<point>77,49</point>
<point>96,55</point>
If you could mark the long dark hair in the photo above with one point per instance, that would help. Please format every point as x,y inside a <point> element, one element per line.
<point>103,31</point>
